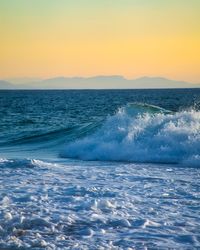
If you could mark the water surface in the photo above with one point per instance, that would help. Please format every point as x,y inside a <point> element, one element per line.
<point>100,169</point>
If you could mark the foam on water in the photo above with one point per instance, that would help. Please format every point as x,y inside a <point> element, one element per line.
<point>143,133</point>
<point>49,202</point>
<point>23,163</point>
<point>95,205</point>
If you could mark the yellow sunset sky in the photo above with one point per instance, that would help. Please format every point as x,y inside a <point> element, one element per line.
<point>133,38</point>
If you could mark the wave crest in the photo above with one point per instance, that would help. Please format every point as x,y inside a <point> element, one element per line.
<point>24,163</point>
<point>142,133</point>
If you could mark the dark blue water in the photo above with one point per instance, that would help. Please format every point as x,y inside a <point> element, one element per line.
<point>100,169</point>
<point>43,119</point>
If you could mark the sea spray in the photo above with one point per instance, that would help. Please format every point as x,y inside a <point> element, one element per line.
<point>142,133</point>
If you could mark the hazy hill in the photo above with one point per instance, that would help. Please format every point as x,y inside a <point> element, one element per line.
<point>100,82</point>
<point>6,85</point>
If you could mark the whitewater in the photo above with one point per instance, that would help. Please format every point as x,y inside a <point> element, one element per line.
<point>113,169</point>
<point>143,133</point>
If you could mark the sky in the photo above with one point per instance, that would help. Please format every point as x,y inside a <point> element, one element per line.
<point>132,38</point>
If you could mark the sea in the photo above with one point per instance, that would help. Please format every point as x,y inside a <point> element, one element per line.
<point>100,169</point>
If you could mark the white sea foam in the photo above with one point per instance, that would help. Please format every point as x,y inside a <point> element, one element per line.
<point>95,205</point>
<point>25,163</point>
<point>142,133</point>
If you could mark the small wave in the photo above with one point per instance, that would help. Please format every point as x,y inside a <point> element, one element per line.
<point>44,137</point>
<point>51,138</point>
<point>23,163</point>
<point>142,133</point>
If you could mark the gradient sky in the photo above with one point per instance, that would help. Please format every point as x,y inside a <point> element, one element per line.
<point>133,38</point>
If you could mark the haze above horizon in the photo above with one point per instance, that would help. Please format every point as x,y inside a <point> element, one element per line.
<point>133,38</point>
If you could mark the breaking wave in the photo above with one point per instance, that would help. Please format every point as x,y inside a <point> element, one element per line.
<point>142,133</point>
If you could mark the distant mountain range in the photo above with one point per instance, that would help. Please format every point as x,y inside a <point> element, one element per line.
<point>98,82</point>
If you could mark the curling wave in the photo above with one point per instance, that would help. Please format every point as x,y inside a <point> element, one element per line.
<point>142,133</point>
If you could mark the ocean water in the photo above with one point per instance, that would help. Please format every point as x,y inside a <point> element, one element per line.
<point>100,169</point>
